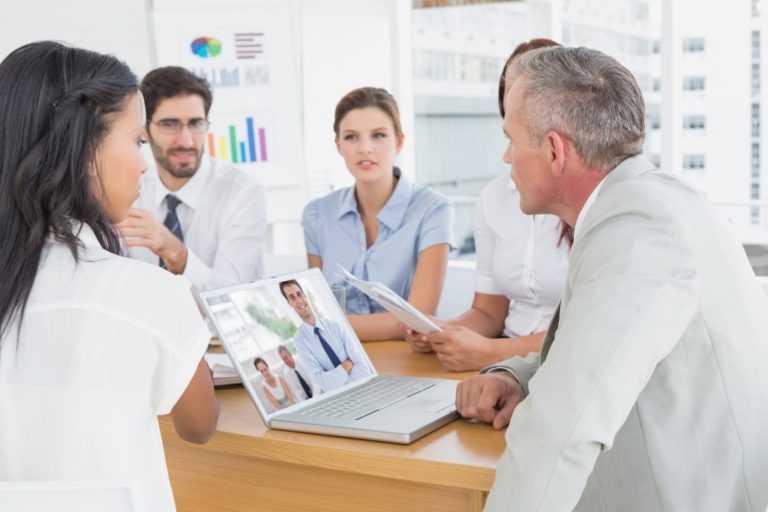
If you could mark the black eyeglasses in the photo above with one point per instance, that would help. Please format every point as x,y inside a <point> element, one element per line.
<point>174,126</point>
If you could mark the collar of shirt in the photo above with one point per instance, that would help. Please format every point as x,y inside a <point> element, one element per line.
<point>192,190</point>
<point>394,210</point>
<point>587,205</point>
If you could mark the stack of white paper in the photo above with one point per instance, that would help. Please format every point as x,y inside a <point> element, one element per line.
<point>392,302</point>
<point>223,371</point>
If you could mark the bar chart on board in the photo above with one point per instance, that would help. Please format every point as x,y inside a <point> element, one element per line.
<point>242,138</point>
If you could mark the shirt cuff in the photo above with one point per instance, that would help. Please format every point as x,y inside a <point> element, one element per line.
<point>501,369</point>
<point>487,284</point>
<point>523,372</point>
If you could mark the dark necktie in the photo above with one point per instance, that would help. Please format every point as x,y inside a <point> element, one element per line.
<point>172,219</point>
<point>335,361</point>
<point>304,385</point>
<point>549,337</point>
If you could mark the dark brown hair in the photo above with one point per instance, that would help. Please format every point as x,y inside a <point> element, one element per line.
<point>566,231</point>
<point>366,97</point>
<point>520,49</point>
<point>283,284</point>
<point>172,81</point>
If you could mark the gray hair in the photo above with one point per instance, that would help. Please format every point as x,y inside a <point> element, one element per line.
<point>586,96</point>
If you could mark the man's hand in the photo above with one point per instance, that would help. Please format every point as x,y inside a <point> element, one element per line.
<point>461,349</point>
<point>490,398</point>
<point>141,229</point>
<point>347,365</point>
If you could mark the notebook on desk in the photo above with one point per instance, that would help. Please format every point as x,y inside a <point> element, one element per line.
<point>305,369</point>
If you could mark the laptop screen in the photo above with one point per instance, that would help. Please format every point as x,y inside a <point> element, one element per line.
<point>288,339</point>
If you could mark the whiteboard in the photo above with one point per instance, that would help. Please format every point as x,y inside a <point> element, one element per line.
<point>246,53</point>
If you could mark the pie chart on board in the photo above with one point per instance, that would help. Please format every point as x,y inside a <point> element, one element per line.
<point>206,47</point>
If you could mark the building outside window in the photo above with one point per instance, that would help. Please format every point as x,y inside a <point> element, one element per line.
<point>693,44</point>
<point>694,83</point>
<point>694,122</point>
<point>694,161</point>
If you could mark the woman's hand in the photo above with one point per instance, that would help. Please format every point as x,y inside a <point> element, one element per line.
<point>460,349</point>
<point>417,340</point>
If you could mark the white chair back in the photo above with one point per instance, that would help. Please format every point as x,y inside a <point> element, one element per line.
<point>70,496</point>
<point>458,289</point>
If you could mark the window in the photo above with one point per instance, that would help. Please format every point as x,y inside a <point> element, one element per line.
<point>694,161</point>
<point>656,84</point>
<point>754,190</point>
<point>657,46</point>
<point>656,160</point>
<point>695,122</point>
<point>755,45</point>
<point>693,44</point>
<point>755,8</point>
<point>755,79</point>
<point>637,45</point>
<point>755,160</point>
<point>755,120</point>
<point>693,83</point>
<point>432,65</point>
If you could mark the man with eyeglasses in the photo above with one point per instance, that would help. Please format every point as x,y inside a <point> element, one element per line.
<point>196,215</point>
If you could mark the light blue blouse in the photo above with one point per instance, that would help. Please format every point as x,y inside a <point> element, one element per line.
<point>413,219</point>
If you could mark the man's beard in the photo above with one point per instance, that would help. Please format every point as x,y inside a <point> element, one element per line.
<point>177,171</point>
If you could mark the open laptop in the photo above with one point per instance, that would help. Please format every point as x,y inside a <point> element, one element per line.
<point>306,370</point>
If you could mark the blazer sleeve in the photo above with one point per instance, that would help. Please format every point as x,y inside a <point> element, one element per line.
<point>523,368</point>
<point>632,295</point>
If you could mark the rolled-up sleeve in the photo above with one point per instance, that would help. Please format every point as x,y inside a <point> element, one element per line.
<point>437,227</point>
<point>485,249</point>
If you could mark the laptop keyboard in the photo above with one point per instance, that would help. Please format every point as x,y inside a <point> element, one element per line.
<point>368,398</point>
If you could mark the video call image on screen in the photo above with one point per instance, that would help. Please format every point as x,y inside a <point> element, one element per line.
<point>290,340</point>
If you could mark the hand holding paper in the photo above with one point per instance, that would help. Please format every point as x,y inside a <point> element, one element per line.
<point>392,302</point>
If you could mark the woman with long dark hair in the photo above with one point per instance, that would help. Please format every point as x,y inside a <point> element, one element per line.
<point>93,346</point>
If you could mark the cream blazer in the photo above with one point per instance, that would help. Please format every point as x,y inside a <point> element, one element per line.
<point>651,392</point>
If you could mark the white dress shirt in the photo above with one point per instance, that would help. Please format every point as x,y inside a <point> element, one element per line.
<point>223,219</point>
<point>518,256</point>
<point>107,344</point>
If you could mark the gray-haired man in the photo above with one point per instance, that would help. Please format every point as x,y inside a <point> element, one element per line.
<point>650,392</point>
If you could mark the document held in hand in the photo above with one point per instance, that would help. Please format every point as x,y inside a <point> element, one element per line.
<point>392,302</point>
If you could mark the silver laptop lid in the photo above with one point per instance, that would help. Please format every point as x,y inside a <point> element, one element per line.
<point>282,331</point>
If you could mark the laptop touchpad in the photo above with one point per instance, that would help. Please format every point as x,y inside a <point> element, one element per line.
<point>434,399</point>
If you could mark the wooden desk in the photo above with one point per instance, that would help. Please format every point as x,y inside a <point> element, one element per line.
<point>247,466</point>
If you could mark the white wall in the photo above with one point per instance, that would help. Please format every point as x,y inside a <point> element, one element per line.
<point>119,27</point>
<point>355,43</point>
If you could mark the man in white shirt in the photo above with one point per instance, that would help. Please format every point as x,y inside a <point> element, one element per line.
<point>296,375</point>
<point>196,215</point>
<point>650,392</point>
